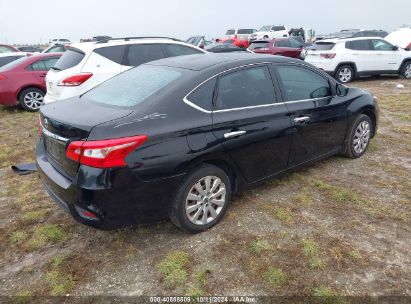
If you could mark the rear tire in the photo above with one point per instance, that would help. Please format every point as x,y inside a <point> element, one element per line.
<point>31,99</point>
<point>202,199</point>
<point>359,137</point>
<point>345,74</point>
<point>406,70</point>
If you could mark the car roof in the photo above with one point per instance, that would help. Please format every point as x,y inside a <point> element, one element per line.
<point>214,60</point>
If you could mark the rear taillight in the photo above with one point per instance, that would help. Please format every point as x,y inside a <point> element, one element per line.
<point>2,77</point>
<point>328,55</point>
<point>408,46</point>
<point>106,153</point>
<point>75,80</point>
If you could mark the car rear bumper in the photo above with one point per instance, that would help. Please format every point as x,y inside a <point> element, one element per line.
<point>116,197</point>
<point>48,99</point>
<point>8,98</point>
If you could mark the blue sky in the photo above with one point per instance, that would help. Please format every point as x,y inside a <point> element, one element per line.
<point>27,21</point>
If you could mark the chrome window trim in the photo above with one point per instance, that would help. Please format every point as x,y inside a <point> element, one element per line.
<point>52,135</point>
<point>193,105</point>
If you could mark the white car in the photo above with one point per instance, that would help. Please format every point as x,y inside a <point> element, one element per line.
<point>85,65</point>
<point>347,58</point>
<point>241,34</point>
<point>269,32</point>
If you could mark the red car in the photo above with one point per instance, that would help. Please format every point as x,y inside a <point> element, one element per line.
<point>4,48</point>
<point>23,80</point>
<point>242,43</point>
<point>288,47</point>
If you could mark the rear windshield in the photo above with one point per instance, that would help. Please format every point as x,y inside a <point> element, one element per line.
<point>258,45</point>
<point>13,64</point>
<point>322,46</point>
<point>71,58</point>
<point>133,86</point>
<point>245,31</point>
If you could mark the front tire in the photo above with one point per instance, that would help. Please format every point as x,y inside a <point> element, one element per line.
<point>406,70</point>
<point>31,99</point>
<point>345,74</point>
<point>359,137</point>
<point>202,200</point>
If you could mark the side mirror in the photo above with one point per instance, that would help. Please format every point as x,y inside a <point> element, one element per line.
<point>341,90</point>
<point>395,48</point>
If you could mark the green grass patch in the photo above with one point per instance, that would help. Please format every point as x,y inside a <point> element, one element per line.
<point>284,215</point>
<point>18,237</point>
<point>259,246</point>
<point>304,198</point>
<point>32,216</point>
<point>173,268</point>
<point>311,250</point>
<point>327,295</point>
<point>60,280</point>
<point>44,234</point>
<point>274,277</point>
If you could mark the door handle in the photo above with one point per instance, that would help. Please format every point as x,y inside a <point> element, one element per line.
<point>234,134</point>
<point>301,119</point>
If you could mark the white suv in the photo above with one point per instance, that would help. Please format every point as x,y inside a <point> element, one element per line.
<point>85,65</point>
<point>347,58</point>
<point>269,32</point>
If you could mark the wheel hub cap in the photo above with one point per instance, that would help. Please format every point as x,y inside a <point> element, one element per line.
<point>205,200</point>
<point>345,75</point>
<point>362,137</point>
<point>33,100</point>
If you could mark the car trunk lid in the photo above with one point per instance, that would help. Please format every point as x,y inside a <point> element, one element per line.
<point>58,131</point>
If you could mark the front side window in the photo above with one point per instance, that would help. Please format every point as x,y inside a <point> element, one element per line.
<point>133,86</point>
<point>245,88</point>
<point>143,53</point>
<point>203,95</point>
<point>180,50</point>
<point>381,45</point>
<point>300,83</point>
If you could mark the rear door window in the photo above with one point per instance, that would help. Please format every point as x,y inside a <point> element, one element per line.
<point>360,45</point>
<point>300,83</point>
<point>180,50</point>
<point>70,58</point>
<point>38,66</point>
<point>245,88</point>
<point>203,95</point>
<point>113,53</point>
<point>142,53</point>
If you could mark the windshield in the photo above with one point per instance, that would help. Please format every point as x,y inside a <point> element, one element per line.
<point>12,64</point>
<point>265,28</point>
<point>133,86</point>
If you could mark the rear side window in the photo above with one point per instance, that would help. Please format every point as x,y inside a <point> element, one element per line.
<point>300,83</point>
<point>133,86</point>
<point>322,46</point>
<point>70,58</point>
<point>258,45</point>
<point>38,66</point>
<point>142,53</point>
<point>203,95</point>
<point>180,50</point>
<point>277,28</point>
<point>245,88</point>
<point>8,59</point>
<point>282,43</point>
<point>113,53</point>
<point>359,45</point>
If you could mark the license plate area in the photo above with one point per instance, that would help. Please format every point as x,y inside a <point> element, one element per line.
<point>55,148</point>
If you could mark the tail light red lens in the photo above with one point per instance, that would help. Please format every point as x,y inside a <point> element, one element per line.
<point>408,46</point>
<point>75,80</point>
<point>106,153</point>
<point>2,77</point>
<point>328,55</point>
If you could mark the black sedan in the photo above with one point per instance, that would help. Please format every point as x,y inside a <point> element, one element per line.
<point>175,138</point>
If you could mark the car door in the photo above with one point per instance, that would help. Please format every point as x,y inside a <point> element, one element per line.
<point>362,54</point>
<point>317,116</point>
<point>251,125</point>
<point>137,54</point>
<point>389,58</point>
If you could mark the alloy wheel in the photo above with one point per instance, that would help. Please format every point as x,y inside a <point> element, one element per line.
<point>205,200</point>
<point>345,75</point>
<point>361,137</point>
<point>33,100</point>
<point>407,72</point>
